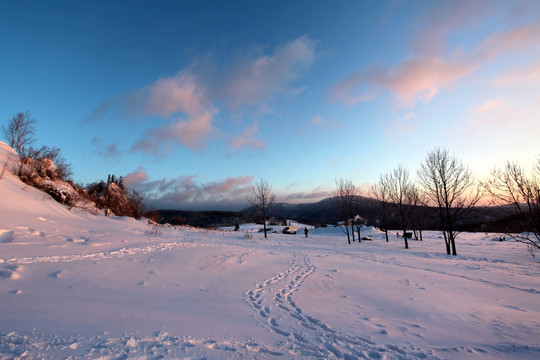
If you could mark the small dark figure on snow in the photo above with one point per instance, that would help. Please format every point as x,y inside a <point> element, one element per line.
<point>306,231</point>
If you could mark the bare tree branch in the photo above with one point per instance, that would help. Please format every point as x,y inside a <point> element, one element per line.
<point>346,201</point>
<point>401,195</point>
<point>520,192</point>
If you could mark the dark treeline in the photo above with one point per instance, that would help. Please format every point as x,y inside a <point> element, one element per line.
<point>485,219</point>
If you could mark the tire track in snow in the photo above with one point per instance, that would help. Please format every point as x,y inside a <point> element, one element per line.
<point>305,335</point>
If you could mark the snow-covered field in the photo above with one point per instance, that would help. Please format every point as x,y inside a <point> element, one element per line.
<point>74,285</point>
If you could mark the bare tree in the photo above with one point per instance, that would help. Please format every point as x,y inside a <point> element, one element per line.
<point>19,132</point>
<point>359,223</point>
<point>450,186</point>
<point>400,193</point>
<point>380,191</point>
<point>513,186</point>
<point>345,200</point>
<point>136,206</point>
<point>262,199</point>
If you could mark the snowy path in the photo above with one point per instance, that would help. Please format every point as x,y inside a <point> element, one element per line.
<point>305,335</point>
<point>125,251</point>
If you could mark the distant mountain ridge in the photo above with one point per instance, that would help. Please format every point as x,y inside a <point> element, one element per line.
<point>489,219</point>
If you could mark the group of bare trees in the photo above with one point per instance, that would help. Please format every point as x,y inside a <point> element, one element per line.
<point>346,201</point>
<point>450,187</point>
<point>444,183</point>
<point>518,192</point>
<point>447,186</point>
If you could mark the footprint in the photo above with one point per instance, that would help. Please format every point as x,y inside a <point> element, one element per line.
<point>6,236</point>
<point>273,322</point>
<point>78,240</point>
<point>57,274</point>
<point>10,273</point>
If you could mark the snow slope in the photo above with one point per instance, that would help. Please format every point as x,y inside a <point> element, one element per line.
<point>75,285</point>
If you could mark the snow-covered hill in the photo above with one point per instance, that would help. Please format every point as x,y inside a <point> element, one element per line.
<point>77,285</point>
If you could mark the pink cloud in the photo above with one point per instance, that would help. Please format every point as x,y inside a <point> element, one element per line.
<point>489,105</point>
<point>186,192</point>
<point>135,178</point>
<point>179,94</point>
<point>525,75</point>
<point>430,69</point>
<point>420,79</point>
<point>415,79</point>
<point>520,38</point>
<point>246,139</point>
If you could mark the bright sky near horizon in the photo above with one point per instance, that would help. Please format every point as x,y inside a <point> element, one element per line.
<point>194,101</point>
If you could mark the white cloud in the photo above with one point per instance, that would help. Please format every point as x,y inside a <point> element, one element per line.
<point>254,82</point>
<point>314,195</point>
<point>188,102</point>
<point>185,192</point>
<point>108,151</point>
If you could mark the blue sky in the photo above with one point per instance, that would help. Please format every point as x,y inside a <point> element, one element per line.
<point>194,101</point>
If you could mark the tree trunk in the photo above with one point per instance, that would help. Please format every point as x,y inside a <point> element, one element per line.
<point>406,241</point>
<point>453,241</point>
<point>385,222</point>
<point>446,242</point>
<point>264,224</point>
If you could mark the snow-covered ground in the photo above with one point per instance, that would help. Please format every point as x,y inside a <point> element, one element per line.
<point>75,285</point>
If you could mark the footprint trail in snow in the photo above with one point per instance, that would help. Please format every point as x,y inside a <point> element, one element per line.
<point>305,335</point>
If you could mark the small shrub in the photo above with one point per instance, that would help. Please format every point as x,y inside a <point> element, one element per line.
<point>155,230</point>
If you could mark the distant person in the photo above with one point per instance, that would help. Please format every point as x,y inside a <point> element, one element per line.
<point>305,231</point>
